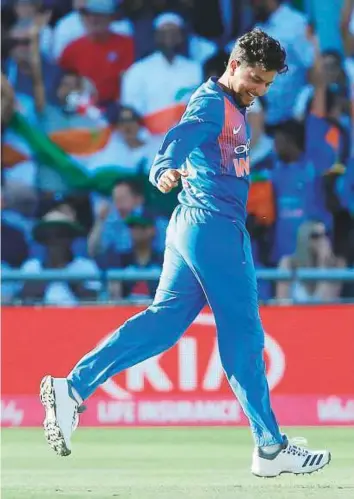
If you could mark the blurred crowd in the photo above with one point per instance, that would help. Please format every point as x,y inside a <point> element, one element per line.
<point>89,88</point>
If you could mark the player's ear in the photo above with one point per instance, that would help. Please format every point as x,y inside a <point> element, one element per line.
<point>234,64</point>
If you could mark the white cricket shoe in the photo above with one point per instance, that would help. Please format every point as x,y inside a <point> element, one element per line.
<point>61,414</point>
<point>292,458</point>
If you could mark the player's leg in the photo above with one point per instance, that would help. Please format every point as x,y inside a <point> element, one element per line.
<point>178,300</point>
<point>220,254</point>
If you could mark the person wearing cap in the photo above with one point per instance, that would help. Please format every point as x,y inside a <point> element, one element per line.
<point>72,26</point>
<point>159,85</point>
<point>110,54</point>
<point>142,256</point>
<point>56,231</point>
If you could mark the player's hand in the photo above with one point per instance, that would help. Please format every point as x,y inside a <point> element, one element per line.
<point>169,179</point>
<point>103,211</point>
<point>324,252</point>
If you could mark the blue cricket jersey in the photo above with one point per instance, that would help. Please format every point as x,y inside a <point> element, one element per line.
<point>212,142</point>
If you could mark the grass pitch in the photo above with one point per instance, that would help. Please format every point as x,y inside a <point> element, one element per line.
<point>200,463</point>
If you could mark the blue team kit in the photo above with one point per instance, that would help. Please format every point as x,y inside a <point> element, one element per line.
<point>208,259</point>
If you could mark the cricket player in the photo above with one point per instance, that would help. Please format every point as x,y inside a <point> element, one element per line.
<point>207,260</point>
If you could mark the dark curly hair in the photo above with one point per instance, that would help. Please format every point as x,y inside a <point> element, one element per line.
<point>256,48</point>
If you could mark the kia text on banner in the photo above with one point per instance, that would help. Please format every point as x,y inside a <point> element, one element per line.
<point>309,354</point>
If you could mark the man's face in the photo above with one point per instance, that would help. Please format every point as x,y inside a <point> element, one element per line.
<point>331,69</point>
<point>125,200</point>
<point>20,42</point>
<point>169,38</point>
<point>249,82</point>
<point>142,235</point>
<point>69,83</point>
<point>129,129</point>
<point>25,10</point>
<point>96,24</point>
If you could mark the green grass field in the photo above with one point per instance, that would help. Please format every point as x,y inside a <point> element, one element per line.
<point>201,463</point>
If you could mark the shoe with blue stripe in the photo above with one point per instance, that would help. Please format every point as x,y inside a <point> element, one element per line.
<point>290,458</point>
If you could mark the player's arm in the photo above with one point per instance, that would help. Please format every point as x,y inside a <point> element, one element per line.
<point>202,121</point>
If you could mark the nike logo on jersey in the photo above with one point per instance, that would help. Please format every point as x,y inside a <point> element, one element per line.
<point>236,130</point>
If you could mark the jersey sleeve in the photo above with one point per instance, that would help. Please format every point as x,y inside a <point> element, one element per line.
<point>202,120</point>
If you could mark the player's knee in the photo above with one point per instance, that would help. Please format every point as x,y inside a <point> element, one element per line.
<point>243,362</point>
<point>164,327</point>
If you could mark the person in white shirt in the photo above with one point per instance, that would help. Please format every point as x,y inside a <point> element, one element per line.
<point>159,85</point>
<point>131,148</point>
<point>72,26</point>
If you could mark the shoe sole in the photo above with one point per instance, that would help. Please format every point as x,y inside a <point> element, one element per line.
<point>296,473</point>
<point>52,431</point>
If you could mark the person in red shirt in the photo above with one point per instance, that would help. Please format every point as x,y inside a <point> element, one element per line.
<point>100,55</point>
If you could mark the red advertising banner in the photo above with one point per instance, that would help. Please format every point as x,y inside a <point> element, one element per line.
<point>309,353</point>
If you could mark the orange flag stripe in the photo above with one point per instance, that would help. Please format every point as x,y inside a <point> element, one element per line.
<point>161,121</point>
<point>82,141</point>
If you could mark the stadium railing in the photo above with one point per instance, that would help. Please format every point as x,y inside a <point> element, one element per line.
<point>305,275</point>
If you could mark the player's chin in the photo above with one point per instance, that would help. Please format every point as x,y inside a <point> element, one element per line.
<point>247,99</point>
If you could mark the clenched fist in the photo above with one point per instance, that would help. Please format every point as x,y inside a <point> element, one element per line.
<point>169,179</point>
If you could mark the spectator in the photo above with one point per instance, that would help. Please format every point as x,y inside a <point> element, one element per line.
<point>31,77</point>
<point>292,179</point>
<point>57,231</point>
<point>313,250</point>
<point>110,54</point>
<point>19,205</point>
<point>260,207</point>
<point>73,26</point>
<point>32,11</point>
<point>130,148</point>
<point>14,247</point>
<point>110,232</point>
<point>347,29</point>
<point>288,26</point>
<point>159,85</point>
<point>327,137</point>
<point>141,256</point>
<point>27,71</point>
<point>262,146</point>
<point>333,77</point>
<point>73,96</point>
